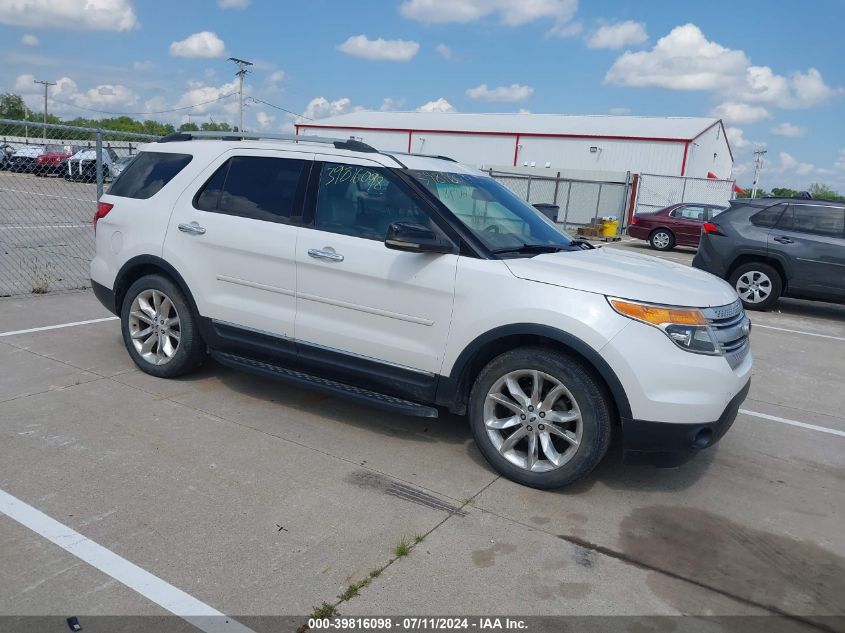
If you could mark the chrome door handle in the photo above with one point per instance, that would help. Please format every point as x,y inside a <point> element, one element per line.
<point>327,253</point>
<point>193,228</point>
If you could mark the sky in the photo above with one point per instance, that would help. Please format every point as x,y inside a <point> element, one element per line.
<point>771,69</point>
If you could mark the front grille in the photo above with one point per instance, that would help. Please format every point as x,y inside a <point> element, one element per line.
<point>730,327</point>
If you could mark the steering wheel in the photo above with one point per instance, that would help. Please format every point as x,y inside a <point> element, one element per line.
<point>493,228</point>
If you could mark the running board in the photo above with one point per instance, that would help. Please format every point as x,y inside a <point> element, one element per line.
<point>324,385</point>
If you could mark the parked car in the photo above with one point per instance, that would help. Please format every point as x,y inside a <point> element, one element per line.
<point>52,161</point>
<point>6,152</point>
<point>25,159</point>
<point>777,247</point>
<point>119,165</point>
<point>675,225</point>
<point>83,165</point>
<point>412,284</point>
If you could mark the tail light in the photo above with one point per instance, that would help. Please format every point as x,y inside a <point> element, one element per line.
<point>634,220</point>
<point>103,209</point>
<point>711,229</point>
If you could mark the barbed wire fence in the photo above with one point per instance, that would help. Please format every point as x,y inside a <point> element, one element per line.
<point>50,179</point>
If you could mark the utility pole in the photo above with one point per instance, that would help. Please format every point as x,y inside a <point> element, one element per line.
<point>758,166</point>
<point>242,71</point>
<point>46,85</point>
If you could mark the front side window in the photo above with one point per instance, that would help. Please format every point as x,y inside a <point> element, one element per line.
<point>147,174</point>
<point>254,187</point>
<point>501,220</point>
<point>363,202</point>
<point>828,221</point>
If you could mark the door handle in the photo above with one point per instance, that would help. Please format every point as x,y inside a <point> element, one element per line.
<point>326,253</point>
<point>783,240</point>
<point>193,228</point>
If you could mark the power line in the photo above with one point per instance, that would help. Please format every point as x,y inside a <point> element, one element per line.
<point>280,108</point>
<point>190,107</point>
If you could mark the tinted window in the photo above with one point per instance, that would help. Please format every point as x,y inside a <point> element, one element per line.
<point>819,220</point>
<point>148,173</point>
<point>768,217</point>
<point>253,187</point>
<point>689,213</point>
<point>362,202</point>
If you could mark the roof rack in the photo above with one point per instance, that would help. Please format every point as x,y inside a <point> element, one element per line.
<point>339,143</point>
<point>439,156</point>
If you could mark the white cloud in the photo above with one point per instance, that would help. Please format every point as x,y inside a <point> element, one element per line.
<point>618,35</point>
<point>619,111</point>
<point>320,108</point>
<point>686,60</point>
<point>444,51</point>
<point>438,105</point>
<point>736,138</point>
<point>789,164</point>
<point>742,113</point>
<point>264,119</point>
<point>389,104</point>
<point>66,94</point>
<point>502,94</point>
<point>233,4</point>
<point>840,160</point>
<point>788,130</point>
<point>95,15</point>
<point>29,40</point>
<point>275,78</point>
<point>509,12</point>
<point>202,45</point>
<point>379,49</point>
<point>212,98</point>
<point>142,66</point>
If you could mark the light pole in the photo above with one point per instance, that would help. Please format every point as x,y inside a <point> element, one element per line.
<point>242,71</point>
<point>46,85</point>
<point>758,166</point>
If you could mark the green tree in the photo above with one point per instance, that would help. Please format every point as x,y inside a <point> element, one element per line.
<point>12,107</point>
<point>821,191</point>
<point>783,192</point>
<point>216,127</point>
<point>189,127</point>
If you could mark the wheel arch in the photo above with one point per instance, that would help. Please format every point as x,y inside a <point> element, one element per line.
<point>453,390</point>
<point>142,265</point>
<point>749,258</point>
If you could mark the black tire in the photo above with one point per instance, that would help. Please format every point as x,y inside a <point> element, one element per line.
<point>757,272</point>
<point>585,390</point>
<point>662,240</point>
<point>191,349</point>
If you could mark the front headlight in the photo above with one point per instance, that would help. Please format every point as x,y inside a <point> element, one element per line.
<point>686,327</point>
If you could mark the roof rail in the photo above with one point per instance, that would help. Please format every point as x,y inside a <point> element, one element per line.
<point>438,156</point>
<point>339,143</point>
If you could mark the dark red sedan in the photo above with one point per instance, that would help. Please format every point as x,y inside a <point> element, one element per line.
<point>52,161</point>
<point>675,225</point>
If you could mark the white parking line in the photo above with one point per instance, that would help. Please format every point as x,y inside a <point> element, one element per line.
<point>57,327</point>
<point>803,425</point>
<point>783,329</point>
<point>143,582</point>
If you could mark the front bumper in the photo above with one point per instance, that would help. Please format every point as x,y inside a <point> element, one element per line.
<point>670,444</point>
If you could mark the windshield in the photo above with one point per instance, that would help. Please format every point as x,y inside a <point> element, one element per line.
<point>500,219</point>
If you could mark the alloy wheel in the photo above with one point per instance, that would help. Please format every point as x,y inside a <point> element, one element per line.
<point>533,420</point>
<point>661,240</point>
<point>754,286</point>
<point>154,327</point>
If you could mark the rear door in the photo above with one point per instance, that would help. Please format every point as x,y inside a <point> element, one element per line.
<point>811,237</point>
<point>687,221</point>
<point>232,236</point>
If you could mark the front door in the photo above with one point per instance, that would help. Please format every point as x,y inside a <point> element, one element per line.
<point>357,299</point>
<point>235,241</point>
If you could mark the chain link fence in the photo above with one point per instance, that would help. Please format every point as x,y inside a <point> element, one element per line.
<point>50,179</point>
<point>656,192</point>
<point>579,202</point>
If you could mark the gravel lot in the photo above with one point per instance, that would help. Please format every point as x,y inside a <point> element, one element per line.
<point>255,499</point>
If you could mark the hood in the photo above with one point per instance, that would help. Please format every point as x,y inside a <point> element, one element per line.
<point>616,273</point>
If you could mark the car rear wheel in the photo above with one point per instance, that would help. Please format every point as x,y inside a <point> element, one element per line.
<point>662,240</point>
<point>159,328</point>
<point>757,284</point>
<point>539,418</point>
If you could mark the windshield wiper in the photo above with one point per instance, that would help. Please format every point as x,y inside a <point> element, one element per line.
<point>532,248</point>
<point>582,244</point>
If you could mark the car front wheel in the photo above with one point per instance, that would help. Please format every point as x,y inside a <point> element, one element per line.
<point>757,284</point>
<point>159,328</point>
<point>539,418</point>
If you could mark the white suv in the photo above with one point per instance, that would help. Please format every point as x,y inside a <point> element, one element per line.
<point>412,283</point>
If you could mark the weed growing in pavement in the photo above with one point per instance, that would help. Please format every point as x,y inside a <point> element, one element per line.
<point>325,610</point>
<point>403,548</point>
<point>418,538</point>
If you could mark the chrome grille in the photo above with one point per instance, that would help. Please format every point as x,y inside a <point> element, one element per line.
<point>730,328</point>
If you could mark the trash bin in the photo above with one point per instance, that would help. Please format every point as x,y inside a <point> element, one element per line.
<point>549,210</point>
<point>609,226</point>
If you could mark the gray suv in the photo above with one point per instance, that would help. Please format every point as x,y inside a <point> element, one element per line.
<point>773,247</point>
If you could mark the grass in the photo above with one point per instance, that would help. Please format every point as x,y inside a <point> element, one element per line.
<point>353,589</point>
<point>325,610</point>
<point>418,538</point>
<point>403,548</point>
<point>375,573</point>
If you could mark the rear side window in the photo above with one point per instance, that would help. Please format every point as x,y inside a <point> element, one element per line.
<point>768,217</point>
<point>148,173</point>
<point>829,221</point>
<point>254,187</point>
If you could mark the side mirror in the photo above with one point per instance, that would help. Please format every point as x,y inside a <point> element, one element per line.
<point>415,238</point>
